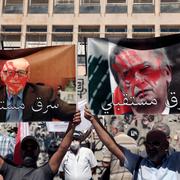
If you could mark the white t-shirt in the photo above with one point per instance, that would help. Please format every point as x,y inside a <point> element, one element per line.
<point>168,170</point>
<point>78,167</point>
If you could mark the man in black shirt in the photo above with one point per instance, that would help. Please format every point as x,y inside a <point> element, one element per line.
<point>30,152</point>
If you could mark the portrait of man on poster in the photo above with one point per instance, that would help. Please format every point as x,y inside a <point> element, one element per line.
<point>24,101</point>
<point>143,78</point>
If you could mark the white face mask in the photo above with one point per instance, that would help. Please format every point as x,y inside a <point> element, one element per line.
<point>75,145</point>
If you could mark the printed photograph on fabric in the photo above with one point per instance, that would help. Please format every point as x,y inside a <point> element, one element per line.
<point>38,84</point>
<point>134,76</point>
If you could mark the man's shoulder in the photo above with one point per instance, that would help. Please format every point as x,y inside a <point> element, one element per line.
<point>85,149</point>
<point>122,137</point>
<point>38,88</point>
<point>175,155</point>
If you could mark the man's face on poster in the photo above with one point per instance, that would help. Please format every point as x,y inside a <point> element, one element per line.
<point>15,75</point>
<point>143,77</point>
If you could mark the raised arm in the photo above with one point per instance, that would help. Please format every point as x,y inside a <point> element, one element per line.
<point>104,136</point>
<point>57,157</point>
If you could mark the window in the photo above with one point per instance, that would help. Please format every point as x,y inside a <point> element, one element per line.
<point>8,2</point>
<point>144,1</point>
<point>170,6</point>
<point>57,2</point>
<point>62,34</point>
<point>116,1</point>
<point>88,28</point>
<point>116,29</point>
<point>90,1</point>
<point>143,29</point>
<point>36,36</point>
<point>11,37</point>
<point>143,6</point>
<point>13,6</point>
<point>63,6</point>
<point>170,29</point>
<point>38,1</point>
<point>38,6</point>
<point>36,28</point>
<point>113,33</point>
<point>11,28</point>
<point>89,6</point>
<point>170,1</point>
<point>62,28</point>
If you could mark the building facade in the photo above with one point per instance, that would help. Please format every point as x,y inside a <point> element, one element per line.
<point>30,23</point>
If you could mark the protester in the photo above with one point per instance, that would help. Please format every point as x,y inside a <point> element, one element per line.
<point>24,101</point>
<point>29,152</point>
<point>109,160</point>
<point>166,129</point>
<point>7,145</point>
<point>157,166</point>
<point>79,162</point>
<point>143,76</point>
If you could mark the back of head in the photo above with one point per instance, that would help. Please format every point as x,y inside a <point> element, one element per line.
<point>156,135</point>
<point>162,127</point>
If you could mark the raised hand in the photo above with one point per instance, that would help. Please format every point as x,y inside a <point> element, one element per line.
<point>77,118</point>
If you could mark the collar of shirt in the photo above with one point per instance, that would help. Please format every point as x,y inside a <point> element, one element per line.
<point>163,160</point>
<point>20,95</point>
<point>166,110</point>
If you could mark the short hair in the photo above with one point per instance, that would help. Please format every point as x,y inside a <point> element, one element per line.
<point>30,139</point>
<point>156,132</point>
<point>160,52</point>
<point>118,124</point>
<point>163,127</point>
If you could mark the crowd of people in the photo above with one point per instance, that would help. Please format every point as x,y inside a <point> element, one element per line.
<point>73,161</point>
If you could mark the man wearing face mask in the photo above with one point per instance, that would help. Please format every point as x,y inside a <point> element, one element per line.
<point>158,165</point>
<point>24,101</point>
<point>79,162</point>
<point>29,153</point>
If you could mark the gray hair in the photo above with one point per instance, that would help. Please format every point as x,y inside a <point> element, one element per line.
<point>162,127</point>
<point>118,124</point>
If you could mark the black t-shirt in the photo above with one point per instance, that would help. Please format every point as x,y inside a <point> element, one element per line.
<point>10,172</point>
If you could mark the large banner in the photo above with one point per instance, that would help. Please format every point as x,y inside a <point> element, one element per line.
<point>134,76</point>
<point>53,66</point>
<point>30,82</point>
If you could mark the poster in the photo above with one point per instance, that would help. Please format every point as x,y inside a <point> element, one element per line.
<point>134,76</point>
<point>51,70</point>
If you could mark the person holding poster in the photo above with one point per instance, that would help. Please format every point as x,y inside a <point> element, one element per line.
<point>24,101</point>
<point>158,165</point>
<point>29,153</point>
<point>143,77</point>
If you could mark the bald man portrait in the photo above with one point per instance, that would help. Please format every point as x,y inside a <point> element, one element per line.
<point>24,101</point>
